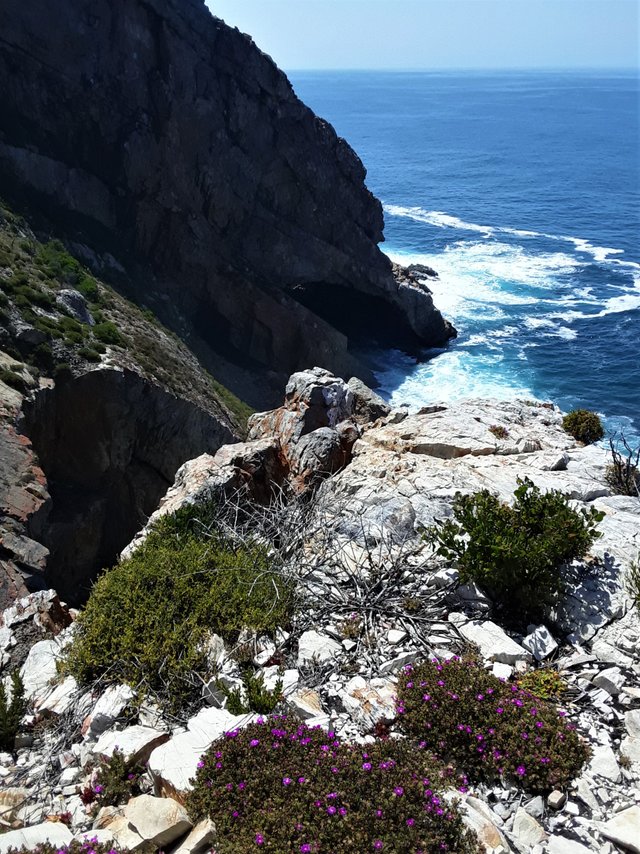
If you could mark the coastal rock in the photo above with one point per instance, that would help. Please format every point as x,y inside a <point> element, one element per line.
<point>367,405</point>
<point>263,253</point>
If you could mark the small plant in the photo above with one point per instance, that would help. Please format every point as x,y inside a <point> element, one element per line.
<point>14,380</point>
<point>108,333</point>
<point>351,627</point>
<point>487,727</point>
<point>280,786</point>
<point>544,682</point>
<point>585,426</point>
<point>89,846</point>
<point>633,582</point>
<point>499,431</point>
<point>258,698</point>
<point>623,473</point>
<point>515,552</point>
<point>11,712</point>
<point>116,780</point>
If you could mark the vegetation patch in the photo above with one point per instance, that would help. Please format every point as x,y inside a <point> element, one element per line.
<point>585,426</point>
<point>11,712</point>
<point>544,682</point>
<point>280,786</point>
<point>147,619</point>
<point>116,780</point>
<point>488,728</point>
<point>90,846</point>
<point>499,431</point>
<point>515,552</point>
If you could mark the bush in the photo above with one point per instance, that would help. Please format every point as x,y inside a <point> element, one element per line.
<point>486,727</point>
<point>583,425</point>
<point>258,698</point>
<point>515,552</point>
<point>148,618</point>
<point>108,333</point>
<point>14,380</point>
<point>116,781</point>
<point>11,713</point>
<point>623,474</point>
<point>91,846</point>
<point>544,682</point>
<point>279,786</point>
<point>633,582</point>
<point>499,431</point>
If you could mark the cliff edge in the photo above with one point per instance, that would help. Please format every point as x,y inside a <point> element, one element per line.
<point>153,133</point>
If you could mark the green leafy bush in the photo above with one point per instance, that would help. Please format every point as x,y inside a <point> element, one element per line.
<point>147,619</point>
<point>583,425</point>
<point>91,846</point>
<point>280,786</point>
<point>11,712</point>
<point>487,727</point>
<point>515,552</point>
<point>258,698</point>
<point>544,682</point>
<point>14,380</point>
<point>116,781</point>
<point>108,333</point>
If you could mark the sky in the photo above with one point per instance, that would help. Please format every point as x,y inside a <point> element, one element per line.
<point>440,34</point>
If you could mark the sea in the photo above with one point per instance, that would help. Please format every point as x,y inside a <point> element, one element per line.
<point>522,190</point>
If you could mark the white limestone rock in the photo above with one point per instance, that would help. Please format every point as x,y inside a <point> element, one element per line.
<point>159,821</point>
<point>316,647</point>
<point>494,644</point>
<point>563,845</point>
<point>540,643</point>
<point>604,764</point>
<point>107,710</point>
<point>199,838</point>
<point>610,680</point>
<point>623,829</point>
<point>174,763</point>
<point>40,670</point>
<point>136,743</point>
<point>368,702</point>
<point>56,833</point>
<point>527,830</point>
<point>60,698</point>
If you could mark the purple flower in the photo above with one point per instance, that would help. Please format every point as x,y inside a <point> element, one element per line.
<point>410,822</point>
<point>259,839</point>
<point>201,764</point>
<point>521,770</point>
<point>254,742</point>
<point>306,848</point>
<point>499,710</point>
<point>286,781</point>
<point>377,845</point>
<point>366,766</point>
<point>331,810</point>
<point>398,791</point>
<point>98,788</point>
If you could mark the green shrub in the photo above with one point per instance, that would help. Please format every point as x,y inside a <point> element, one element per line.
<point>14,380</point>
<point>544,682</point>
<point>108,333</point>
<point>633,582</point>
<point>147,619</point>
<point>282,787</point>
<point>623,473</point>
<point>515,552</point>
<point>116,780</point>
<point>88,287</point>
<point>583,425</point>
<point>11,712</point>
<point>91,846</point>
<point>487,727</point>
<point>259,699</point>
<point>89,353</point>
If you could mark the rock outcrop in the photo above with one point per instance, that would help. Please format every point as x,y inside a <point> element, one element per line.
<point>154,134</point>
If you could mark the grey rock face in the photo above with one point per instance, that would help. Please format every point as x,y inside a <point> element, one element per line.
<point>173,143</point>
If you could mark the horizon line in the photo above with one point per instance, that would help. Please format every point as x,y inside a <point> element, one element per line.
<point>630,70</point>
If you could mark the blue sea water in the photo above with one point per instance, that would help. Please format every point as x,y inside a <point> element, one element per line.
<point>523,191</point>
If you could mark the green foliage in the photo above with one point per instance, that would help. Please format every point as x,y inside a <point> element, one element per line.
<point>89,353</point>
<point>108,333</point>
<point>259,699</point>
<point>487,727</point>
<point>633,582</point>
<point>91,846</point>
<point>279,786</point>
<point>515,552</point>
<point>544,682</point>
<point>583,425</point>
<point>11,712</point>
<point>147,619</point>
<point>116,780</point>
<point>11,378</point>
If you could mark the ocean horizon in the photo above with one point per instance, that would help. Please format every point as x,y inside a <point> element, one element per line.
<point>522,190</point>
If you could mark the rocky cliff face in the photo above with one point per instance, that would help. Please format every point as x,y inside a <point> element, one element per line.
<point>151,130</point>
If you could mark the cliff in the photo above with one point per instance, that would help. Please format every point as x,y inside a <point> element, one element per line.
<point>153,133</point>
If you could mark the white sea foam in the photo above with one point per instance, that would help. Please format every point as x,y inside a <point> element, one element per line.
<point>440,219</point>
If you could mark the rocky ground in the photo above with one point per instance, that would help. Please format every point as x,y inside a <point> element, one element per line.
<point>373,599</point>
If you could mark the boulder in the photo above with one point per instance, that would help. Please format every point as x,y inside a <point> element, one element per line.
<point>136,743</point>
<point>494,644</point>
<point>40,669</point>
<point>564,845</point>
<point>54,833</point>
<point>314,647</point>
<point>527,830</point>
<point>367,405</point>
<point>159,821</point>
<point>623,829</point>
<point>107,710</point>
<point>540,643</point>
<point>199,838</point>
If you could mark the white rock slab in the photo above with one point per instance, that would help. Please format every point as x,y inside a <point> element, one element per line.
<point>317,647</point>
<point>40,669</point>
<point>540,643</point>
<point>107,710</point>
<point>174,763</point>
<point>623,829</point>
<point>60,698</point>
<point>159,821</point>
<point>632,723</point>
<point>610,680</point>
<point>55,833</point>
<point>604,764</point>
<point>494,644</point>
<point>526,829</point>
<point>201,837</point>
<point>368,702</point>
<point>136,743</point>
<point>562,845</point>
